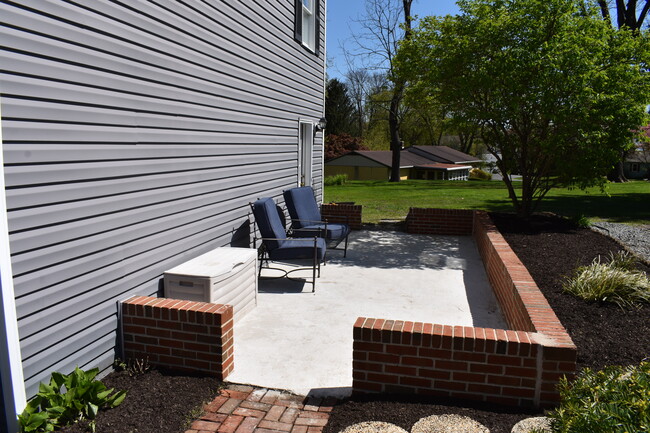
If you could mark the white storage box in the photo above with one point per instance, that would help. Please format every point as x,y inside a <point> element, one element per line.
<point>221,276</point>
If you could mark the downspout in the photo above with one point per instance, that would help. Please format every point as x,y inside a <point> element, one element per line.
<point>13,384</point>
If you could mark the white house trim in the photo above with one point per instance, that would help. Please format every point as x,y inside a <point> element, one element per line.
<point>13,385</point>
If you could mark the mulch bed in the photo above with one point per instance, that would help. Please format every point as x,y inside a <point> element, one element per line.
<point>156,402</point>
<point>549,247</point>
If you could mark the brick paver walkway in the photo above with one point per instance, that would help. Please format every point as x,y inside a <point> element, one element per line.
<point>245,409</point>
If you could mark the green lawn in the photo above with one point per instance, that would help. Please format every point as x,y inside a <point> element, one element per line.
<point>626,202</point>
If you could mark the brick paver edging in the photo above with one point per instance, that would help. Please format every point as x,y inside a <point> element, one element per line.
<point>245,409</point>
<point>183,335</point>
<point>519,366</point>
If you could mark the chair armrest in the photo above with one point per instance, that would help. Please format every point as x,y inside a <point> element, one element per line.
<point>309,221</point>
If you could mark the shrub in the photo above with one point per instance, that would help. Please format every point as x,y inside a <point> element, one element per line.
<point>337,145</point>
<point>338,179</point>
<point>582,221</point>
<point>478,174</point>
<point>68,399</point>
<point>613,400</point>
<point>617,281</point>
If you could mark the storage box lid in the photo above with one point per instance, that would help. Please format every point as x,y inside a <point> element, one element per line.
<point>220,261</point>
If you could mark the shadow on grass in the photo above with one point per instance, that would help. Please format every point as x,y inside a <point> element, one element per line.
<point>621,208</point>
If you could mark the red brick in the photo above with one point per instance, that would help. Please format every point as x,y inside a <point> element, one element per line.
<point>435,374</point>
<point>275,425</point>
<point>206,426</point>
<point>451,365</point>
<point>275,413</point>
<point>230,424</point>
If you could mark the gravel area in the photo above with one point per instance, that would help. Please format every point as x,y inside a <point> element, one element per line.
<point>634,238</point>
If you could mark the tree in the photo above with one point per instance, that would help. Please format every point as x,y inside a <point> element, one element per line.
<point>626,13</point>
<point>555,90</point>
<point>339,109</point>
<point>357,81</point>
<point>377,43</point>
<point>337,145</point>
<point>626,16</point>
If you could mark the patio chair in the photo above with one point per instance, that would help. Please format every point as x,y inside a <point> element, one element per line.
<point>306,218</point>
<point>278,247</point>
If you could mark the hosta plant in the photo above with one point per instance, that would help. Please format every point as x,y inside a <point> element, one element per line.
<point>68,399</point>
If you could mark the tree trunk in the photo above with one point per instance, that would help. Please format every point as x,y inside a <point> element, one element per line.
<point>393,115</point>
<point>393,124</point>
<point>618,174</point>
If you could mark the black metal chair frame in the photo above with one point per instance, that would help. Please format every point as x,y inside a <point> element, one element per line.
<point>263,256</point>
<point>332,244</point>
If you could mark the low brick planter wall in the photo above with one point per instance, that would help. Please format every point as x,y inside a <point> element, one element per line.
<point>519,366</point>
<point>182,335</point>
<point>343,213</point>
<point>457,222</point>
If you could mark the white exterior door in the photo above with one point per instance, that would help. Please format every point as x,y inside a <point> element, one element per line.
<point>305,153</point>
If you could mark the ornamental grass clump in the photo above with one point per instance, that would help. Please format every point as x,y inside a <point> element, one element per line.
<point>617,281</point>
<point>613,400</point>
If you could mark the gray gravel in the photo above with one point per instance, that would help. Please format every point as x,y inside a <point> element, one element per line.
<point>634,238</point>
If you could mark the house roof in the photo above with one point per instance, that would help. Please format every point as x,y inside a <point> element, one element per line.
<point>444,154</point>
<point>427,157</point>
<point>385,157</point>
<point>443,167</point>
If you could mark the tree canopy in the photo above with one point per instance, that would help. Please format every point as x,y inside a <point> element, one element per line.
<point>339,109</point>
<point>555,91</point>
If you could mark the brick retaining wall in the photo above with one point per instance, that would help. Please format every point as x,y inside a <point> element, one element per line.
<point>342,213</point>
<point>182,335</point>
<point>519,366</point>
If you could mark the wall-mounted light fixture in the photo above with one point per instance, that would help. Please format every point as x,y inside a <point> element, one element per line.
<point>322,123</point>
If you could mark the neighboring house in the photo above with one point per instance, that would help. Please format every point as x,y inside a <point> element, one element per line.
<point>637,165</point>
<point>134,136</point>
<point>416,162</point>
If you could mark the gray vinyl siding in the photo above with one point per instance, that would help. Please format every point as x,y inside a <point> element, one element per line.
<point>134,135</point>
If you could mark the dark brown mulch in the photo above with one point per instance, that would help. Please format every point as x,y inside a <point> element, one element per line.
<point>156,402</point>
<point>549,247</point>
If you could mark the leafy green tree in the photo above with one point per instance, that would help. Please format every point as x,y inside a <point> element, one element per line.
<point>339,109</point>
<point>555,90</point>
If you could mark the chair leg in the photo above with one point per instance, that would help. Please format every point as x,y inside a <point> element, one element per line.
<point>345,251</point>
<point>313,272</point>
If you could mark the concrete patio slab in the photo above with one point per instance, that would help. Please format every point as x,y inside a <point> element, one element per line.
<point>302,341</point>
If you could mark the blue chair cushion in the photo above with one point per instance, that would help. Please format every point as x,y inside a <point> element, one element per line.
<point>268,222</point>
<point>299,249</point>
<point>302,206</point>
<point>334,231</point>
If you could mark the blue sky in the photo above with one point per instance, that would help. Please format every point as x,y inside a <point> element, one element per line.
<point>340,24</point>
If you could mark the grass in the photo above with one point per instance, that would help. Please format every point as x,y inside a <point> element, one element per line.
<point>623,202</point>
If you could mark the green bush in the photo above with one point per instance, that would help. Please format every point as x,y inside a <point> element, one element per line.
<point>66,400</point>
<point>613,400</point>
<point>617,281</point>
<point>478,174</point>
<point>338,179</point>
<point>581,221</point>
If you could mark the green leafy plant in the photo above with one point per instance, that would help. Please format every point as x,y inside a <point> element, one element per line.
<point>582,221</point>
<point>617,281</point>
<point>68,399</point>
<point>613,400</point>
<point>338,179</point>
